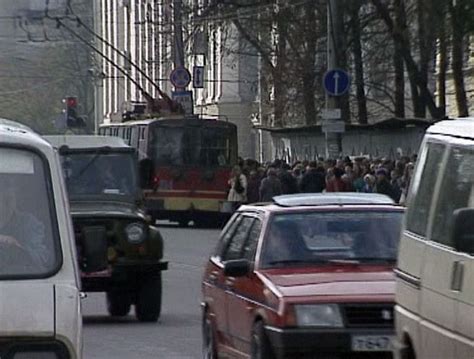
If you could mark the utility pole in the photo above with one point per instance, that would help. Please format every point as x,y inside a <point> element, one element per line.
<point>333,139</point>
<point>97,79</point>
<point>178,33</point>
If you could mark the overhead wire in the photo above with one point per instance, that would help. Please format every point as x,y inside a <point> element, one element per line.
<point>114,48</point>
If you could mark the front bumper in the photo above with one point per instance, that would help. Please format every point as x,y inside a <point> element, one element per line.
<point>124,275</point>
<point>327,343</point>
<point>188,208</point>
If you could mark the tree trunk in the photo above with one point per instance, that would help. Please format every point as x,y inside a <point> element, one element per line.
<point>457,54</point>
<point>398,63</point>
<point>442,66</point>
<point>420,109</point>
<point>341,55</point>
<point>280,68</point>
<point>309,100</point>
<point>412,68</point>
<point>358,63</point>
<point>309,73</point>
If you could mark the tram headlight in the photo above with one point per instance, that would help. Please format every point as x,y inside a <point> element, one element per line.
<point>135,233</point>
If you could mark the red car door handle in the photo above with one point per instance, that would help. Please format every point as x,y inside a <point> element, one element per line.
<point>212,278</point>
<point>229,284</point>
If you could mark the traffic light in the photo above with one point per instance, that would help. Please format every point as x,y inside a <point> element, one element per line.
<point>72,119</point>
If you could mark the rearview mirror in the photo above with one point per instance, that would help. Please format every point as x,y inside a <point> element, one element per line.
<point>463,230</point>
<point>237,268</point>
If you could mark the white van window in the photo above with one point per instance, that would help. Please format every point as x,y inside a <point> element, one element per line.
<point>457,191</point>
<point>28,239</point>
<point>419,207</point>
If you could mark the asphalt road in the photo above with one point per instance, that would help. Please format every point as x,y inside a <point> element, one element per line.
<point>177,335</point>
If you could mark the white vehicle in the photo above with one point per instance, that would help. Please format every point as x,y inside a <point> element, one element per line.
<point>40,309</point>
<point>435,274</point>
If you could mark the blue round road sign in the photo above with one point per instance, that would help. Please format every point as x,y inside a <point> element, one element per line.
<point>336,82</point>
<point>180,77</point>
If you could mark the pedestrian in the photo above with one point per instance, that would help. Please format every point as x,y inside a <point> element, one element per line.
<point>405,182</point>
<point>313,180</point>
<point>289,184</point>
<point>238,187</point>
<point>369,183</point>
<point>348,177</point>
<point>270,186</point>
<point>298,173</point>
<point>357,178</point>
<point>382,184</point>
<point>337,184</point>
<point>395,181</point>
<point>253,187</point>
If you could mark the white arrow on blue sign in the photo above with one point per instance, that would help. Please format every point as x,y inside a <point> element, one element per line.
<point>336,82</point>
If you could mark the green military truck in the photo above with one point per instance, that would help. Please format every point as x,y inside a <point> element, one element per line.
<point>101,176</point>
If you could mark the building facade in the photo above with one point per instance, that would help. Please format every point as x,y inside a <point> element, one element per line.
<point>139,39</point>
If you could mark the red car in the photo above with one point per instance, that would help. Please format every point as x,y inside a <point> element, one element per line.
<point>305,276</point>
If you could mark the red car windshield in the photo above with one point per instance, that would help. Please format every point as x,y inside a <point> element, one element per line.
<point>324,237</point>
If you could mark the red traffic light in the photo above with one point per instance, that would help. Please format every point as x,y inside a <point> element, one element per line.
<point>70,101</point>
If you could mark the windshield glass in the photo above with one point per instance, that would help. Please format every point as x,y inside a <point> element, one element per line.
<point>100,174</point>
<point>356,236</point>
<point>28,243</point>
<point>203,146</point>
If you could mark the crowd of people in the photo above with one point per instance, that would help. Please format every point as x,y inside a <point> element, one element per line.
<point>252,182</point>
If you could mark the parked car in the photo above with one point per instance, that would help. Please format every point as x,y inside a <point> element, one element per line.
<point>305,274</point>
<point>435,274</point>
<point>102,182</point>
<point>40,310</point>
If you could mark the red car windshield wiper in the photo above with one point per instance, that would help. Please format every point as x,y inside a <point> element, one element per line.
<point>299,261</point>
<point>375,259</point>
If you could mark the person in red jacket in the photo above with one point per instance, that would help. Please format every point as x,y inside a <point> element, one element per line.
<point>337,184</point>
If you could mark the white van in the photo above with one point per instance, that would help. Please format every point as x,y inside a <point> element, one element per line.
<point>435,274</point>
<point>40,309</point>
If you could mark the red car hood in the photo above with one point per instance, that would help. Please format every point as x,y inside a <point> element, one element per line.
<point>332,281</point>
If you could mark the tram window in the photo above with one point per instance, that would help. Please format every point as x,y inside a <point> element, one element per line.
<point>215,147</point>
<point>191,146</point>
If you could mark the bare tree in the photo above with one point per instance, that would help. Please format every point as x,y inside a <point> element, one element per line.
<point>458,14</point>
<point>417,77</point>
<point>358,61</point>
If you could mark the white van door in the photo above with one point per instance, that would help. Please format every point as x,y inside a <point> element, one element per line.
<point>417,293</point>
<point>465,309</point>
<point>449,274</point>
<point>438,302</point>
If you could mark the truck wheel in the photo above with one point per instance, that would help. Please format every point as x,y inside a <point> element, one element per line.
<point>148,305</point>
<point>118,304</point>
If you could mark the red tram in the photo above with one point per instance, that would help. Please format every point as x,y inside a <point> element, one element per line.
<point>185,164</point>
